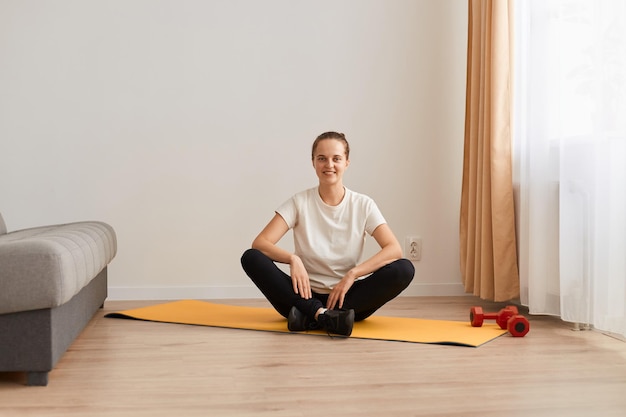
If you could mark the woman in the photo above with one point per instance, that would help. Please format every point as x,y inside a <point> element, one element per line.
<point>327,286</point>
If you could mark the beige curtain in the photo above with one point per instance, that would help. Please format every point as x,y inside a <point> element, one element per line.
<point>487,224</point>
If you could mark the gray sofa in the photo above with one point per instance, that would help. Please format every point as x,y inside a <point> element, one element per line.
<point>53,279</point>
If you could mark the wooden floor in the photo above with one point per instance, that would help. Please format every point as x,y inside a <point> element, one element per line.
<point>134,368</point>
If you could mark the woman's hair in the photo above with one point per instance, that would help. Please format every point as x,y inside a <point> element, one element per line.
<point>331,135</point>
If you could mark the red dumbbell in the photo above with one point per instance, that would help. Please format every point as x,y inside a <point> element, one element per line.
<point>518,326</point>
<point>477,316</point>
<point>508,319</point>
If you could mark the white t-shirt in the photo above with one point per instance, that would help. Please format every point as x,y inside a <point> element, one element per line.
<point>329,239</point>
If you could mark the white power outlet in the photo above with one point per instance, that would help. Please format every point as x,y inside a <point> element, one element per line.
<point>413,248</point>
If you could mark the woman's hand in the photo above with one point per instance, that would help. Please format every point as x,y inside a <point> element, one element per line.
<point>338,293</point>
<point>390,250</point>
<point>300,278</point>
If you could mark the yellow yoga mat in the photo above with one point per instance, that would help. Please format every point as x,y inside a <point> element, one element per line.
<point>399,329</point>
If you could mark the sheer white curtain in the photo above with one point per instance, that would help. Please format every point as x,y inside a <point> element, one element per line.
<point>570,156</point>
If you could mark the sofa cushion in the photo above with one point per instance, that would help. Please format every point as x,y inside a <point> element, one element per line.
<point>44,267</point>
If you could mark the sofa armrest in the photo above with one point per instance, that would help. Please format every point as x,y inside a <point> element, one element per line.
<point>3,226</point>
<point>45,267</point>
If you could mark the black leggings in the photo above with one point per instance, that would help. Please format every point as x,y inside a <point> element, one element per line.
<point>365,296</point>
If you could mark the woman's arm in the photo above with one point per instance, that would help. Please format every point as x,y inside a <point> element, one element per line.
<point>266,243</point>
<point>390,250</point>
<point>269,236</point>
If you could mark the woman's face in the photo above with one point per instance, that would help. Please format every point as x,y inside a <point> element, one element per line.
<point>329,161</point>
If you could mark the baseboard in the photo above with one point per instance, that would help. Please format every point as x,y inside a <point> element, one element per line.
<point>182,293</point>
<point>226,292</point>
<point>445,289</point>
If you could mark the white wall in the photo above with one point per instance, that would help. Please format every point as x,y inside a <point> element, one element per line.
<point>185,123</point>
